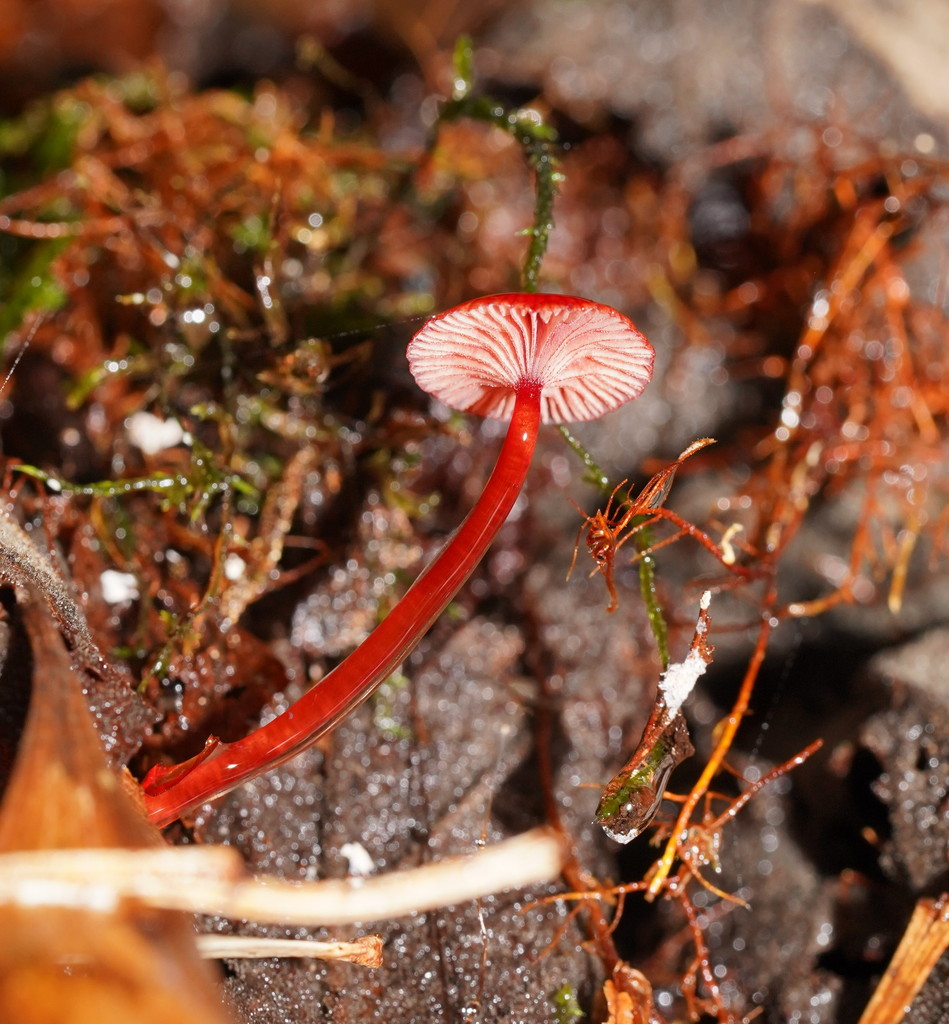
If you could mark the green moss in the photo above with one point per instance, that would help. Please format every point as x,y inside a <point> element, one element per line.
<point>536,139</point>
<point>28,283</point>
<point>567,1005</point>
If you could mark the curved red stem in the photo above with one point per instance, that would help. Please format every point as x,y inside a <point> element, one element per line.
<point>355,678</point>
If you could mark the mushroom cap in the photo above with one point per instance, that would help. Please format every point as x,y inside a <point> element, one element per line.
<point>586,358</point>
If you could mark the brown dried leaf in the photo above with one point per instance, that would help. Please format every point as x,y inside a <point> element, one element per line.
<point>103,959</point>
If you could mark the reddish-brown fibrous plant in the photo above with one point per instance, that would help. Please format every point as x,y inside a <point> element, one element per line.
<point>525,358</point>
<point>607,530</point>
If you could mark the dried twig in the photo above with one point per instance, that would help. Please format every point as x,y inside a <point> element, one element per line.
<point>202,880</point>
<point>365,951</point>
<point>924,942</point>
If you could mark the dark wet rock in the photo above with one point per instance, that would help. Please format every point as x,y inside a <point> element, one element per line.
<point>767,951</point>
<point>910,739</point>
<point>415,775</point>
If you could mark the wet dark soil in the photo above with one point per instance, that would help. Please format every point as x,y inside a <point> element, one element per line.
<point>718,169</point>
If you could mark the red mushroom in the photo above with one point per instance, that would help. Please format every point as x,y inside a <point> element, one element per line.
<point>525,358</point>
